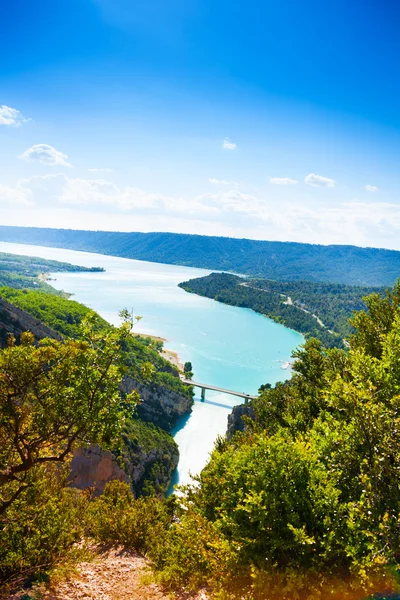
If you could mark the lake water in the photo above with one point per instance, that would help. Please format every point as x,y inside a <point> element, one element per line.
<point>229,347</point>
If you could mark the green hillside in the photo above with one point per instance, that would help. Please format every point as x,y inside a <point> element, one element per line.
<point>65,316</point>
<point>25,271</point>
<point>286,261</point>
<point>291,303</point>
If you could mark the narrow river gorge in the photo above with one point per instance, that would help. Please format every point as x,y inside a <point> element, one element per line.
<point>229,347</point>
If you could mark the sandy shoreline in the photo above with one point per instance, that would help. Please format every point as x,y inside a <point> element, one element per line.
<point>170,355</point>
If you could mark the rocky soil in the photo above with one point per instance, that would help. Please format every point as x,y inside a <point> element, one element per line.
<point>115,574</point>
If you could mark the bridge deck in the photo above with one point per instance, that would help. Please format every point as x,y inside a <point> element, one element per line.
<point>214,388</point>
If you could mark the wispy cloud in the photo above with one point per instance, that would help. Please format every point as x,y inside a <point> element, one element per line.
<point>319,181</point>
<point>13,196</point>
<point>11,116</point>
<point>228,145</point>
<point>101,170</point>
<point>370,188</point>
<point>223,182</point>
<point>282,181</point>
<point>55,198</point>
<point>46,155</point>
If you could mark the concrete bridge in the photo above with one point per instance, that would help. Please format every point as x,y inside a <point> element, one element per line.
<point>206,386</point>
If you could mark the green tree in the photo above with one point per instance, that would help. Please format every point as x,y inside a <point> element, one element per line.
<point>56,396</point>
<point>305,503</point>
<point>188,370</point>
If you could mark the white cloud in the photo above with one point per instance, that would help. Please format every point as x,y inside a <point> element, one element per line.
<point>370,188</point>
<point>47,155</point>
<point>232,201</point>
<point>104,170</point>
<point>12,196</point>
<point>11,116</point>
<point>102,204</point>
<point>223,182</point>
<point>282,181</point>
<point>89,194</point>
<point>228,145</point>
<point>319,181</point>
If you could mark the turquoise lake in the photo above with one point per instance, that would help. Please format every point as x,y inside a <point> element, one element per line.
<point>229,347</point>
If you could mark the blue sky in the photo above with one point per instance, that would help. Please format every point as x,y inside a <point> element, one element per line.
<point>270,120</point>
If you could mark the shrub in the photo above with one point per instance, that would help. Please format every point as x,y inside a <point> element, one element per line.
<point>116,517</point>
<point>42,525</point>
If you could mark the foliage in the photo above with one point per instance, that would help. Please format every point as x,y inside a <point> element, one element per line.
<point>286,261</point>
<point>65,316</point>
<point>56,396</point>
<point>305,503</point>
<point>117,518</point>
<point>61,314</point>
<point>293,304</point>
<point>148,446</point>
<point>188,370</point>
<point>41,527</point>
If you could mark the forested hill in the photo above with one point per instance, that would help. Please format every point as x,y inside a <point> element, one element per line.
<point>286,261</point>
<point>25,271</point>
<point>320,310</point>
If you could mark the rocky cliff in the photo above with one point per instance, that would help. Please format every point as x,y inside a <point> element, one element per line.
<point>146,470</point>
<point>93,467</point>
<point>159,405</point>
<point>235,419</point>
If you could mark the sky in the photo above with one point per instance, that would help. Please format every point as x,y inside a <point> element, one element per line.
<point>259,119</point>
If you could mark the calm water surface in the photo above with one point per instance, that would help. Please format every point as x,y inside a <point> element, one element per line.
<point>229,347</point>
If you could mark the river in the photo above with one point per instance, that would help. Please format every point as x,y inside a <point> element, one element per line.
<point>229,347</point>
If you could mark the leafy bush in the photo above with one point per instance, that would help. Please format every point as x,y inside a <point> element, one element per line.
<point>117,518</point>
<point>305,503</point>
<point>41,526</point>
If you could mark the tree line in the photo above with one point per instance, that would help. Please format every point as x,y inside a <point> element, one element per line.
<point>291,303</point>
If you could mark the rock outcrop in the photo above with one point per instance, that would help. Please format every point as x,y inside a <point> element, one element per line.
<point>159,405</point>
<point>235,419</point>
<point>93,468</point>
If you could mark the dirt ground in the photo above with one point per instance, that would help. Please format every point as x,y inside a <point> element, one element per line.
<point>116,574</point>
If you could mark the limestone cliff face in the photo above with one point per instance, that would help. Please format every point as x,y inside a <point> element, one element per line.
<point>15,321</point>
<point>159,405</point>
<point>235,419</point>
<point>149,468</point>
<point>93,468</point>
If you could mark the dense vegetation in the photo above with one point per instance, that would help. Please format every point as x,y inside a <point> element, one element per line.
<point>24,271</point>
<point>139,437</point>
<point>286,261</point>
<point>141,354</point>
<point>304,503</point>
<point>291,303</point>
<point>141,442</point>
<point>54,397</point>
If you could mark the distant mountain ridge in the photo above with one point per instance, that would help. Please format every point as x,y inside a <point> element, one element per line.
<point>289,261</point>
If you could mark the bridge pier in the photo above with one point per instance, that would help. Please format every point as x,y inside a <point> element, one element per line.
<point>203,394</point>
